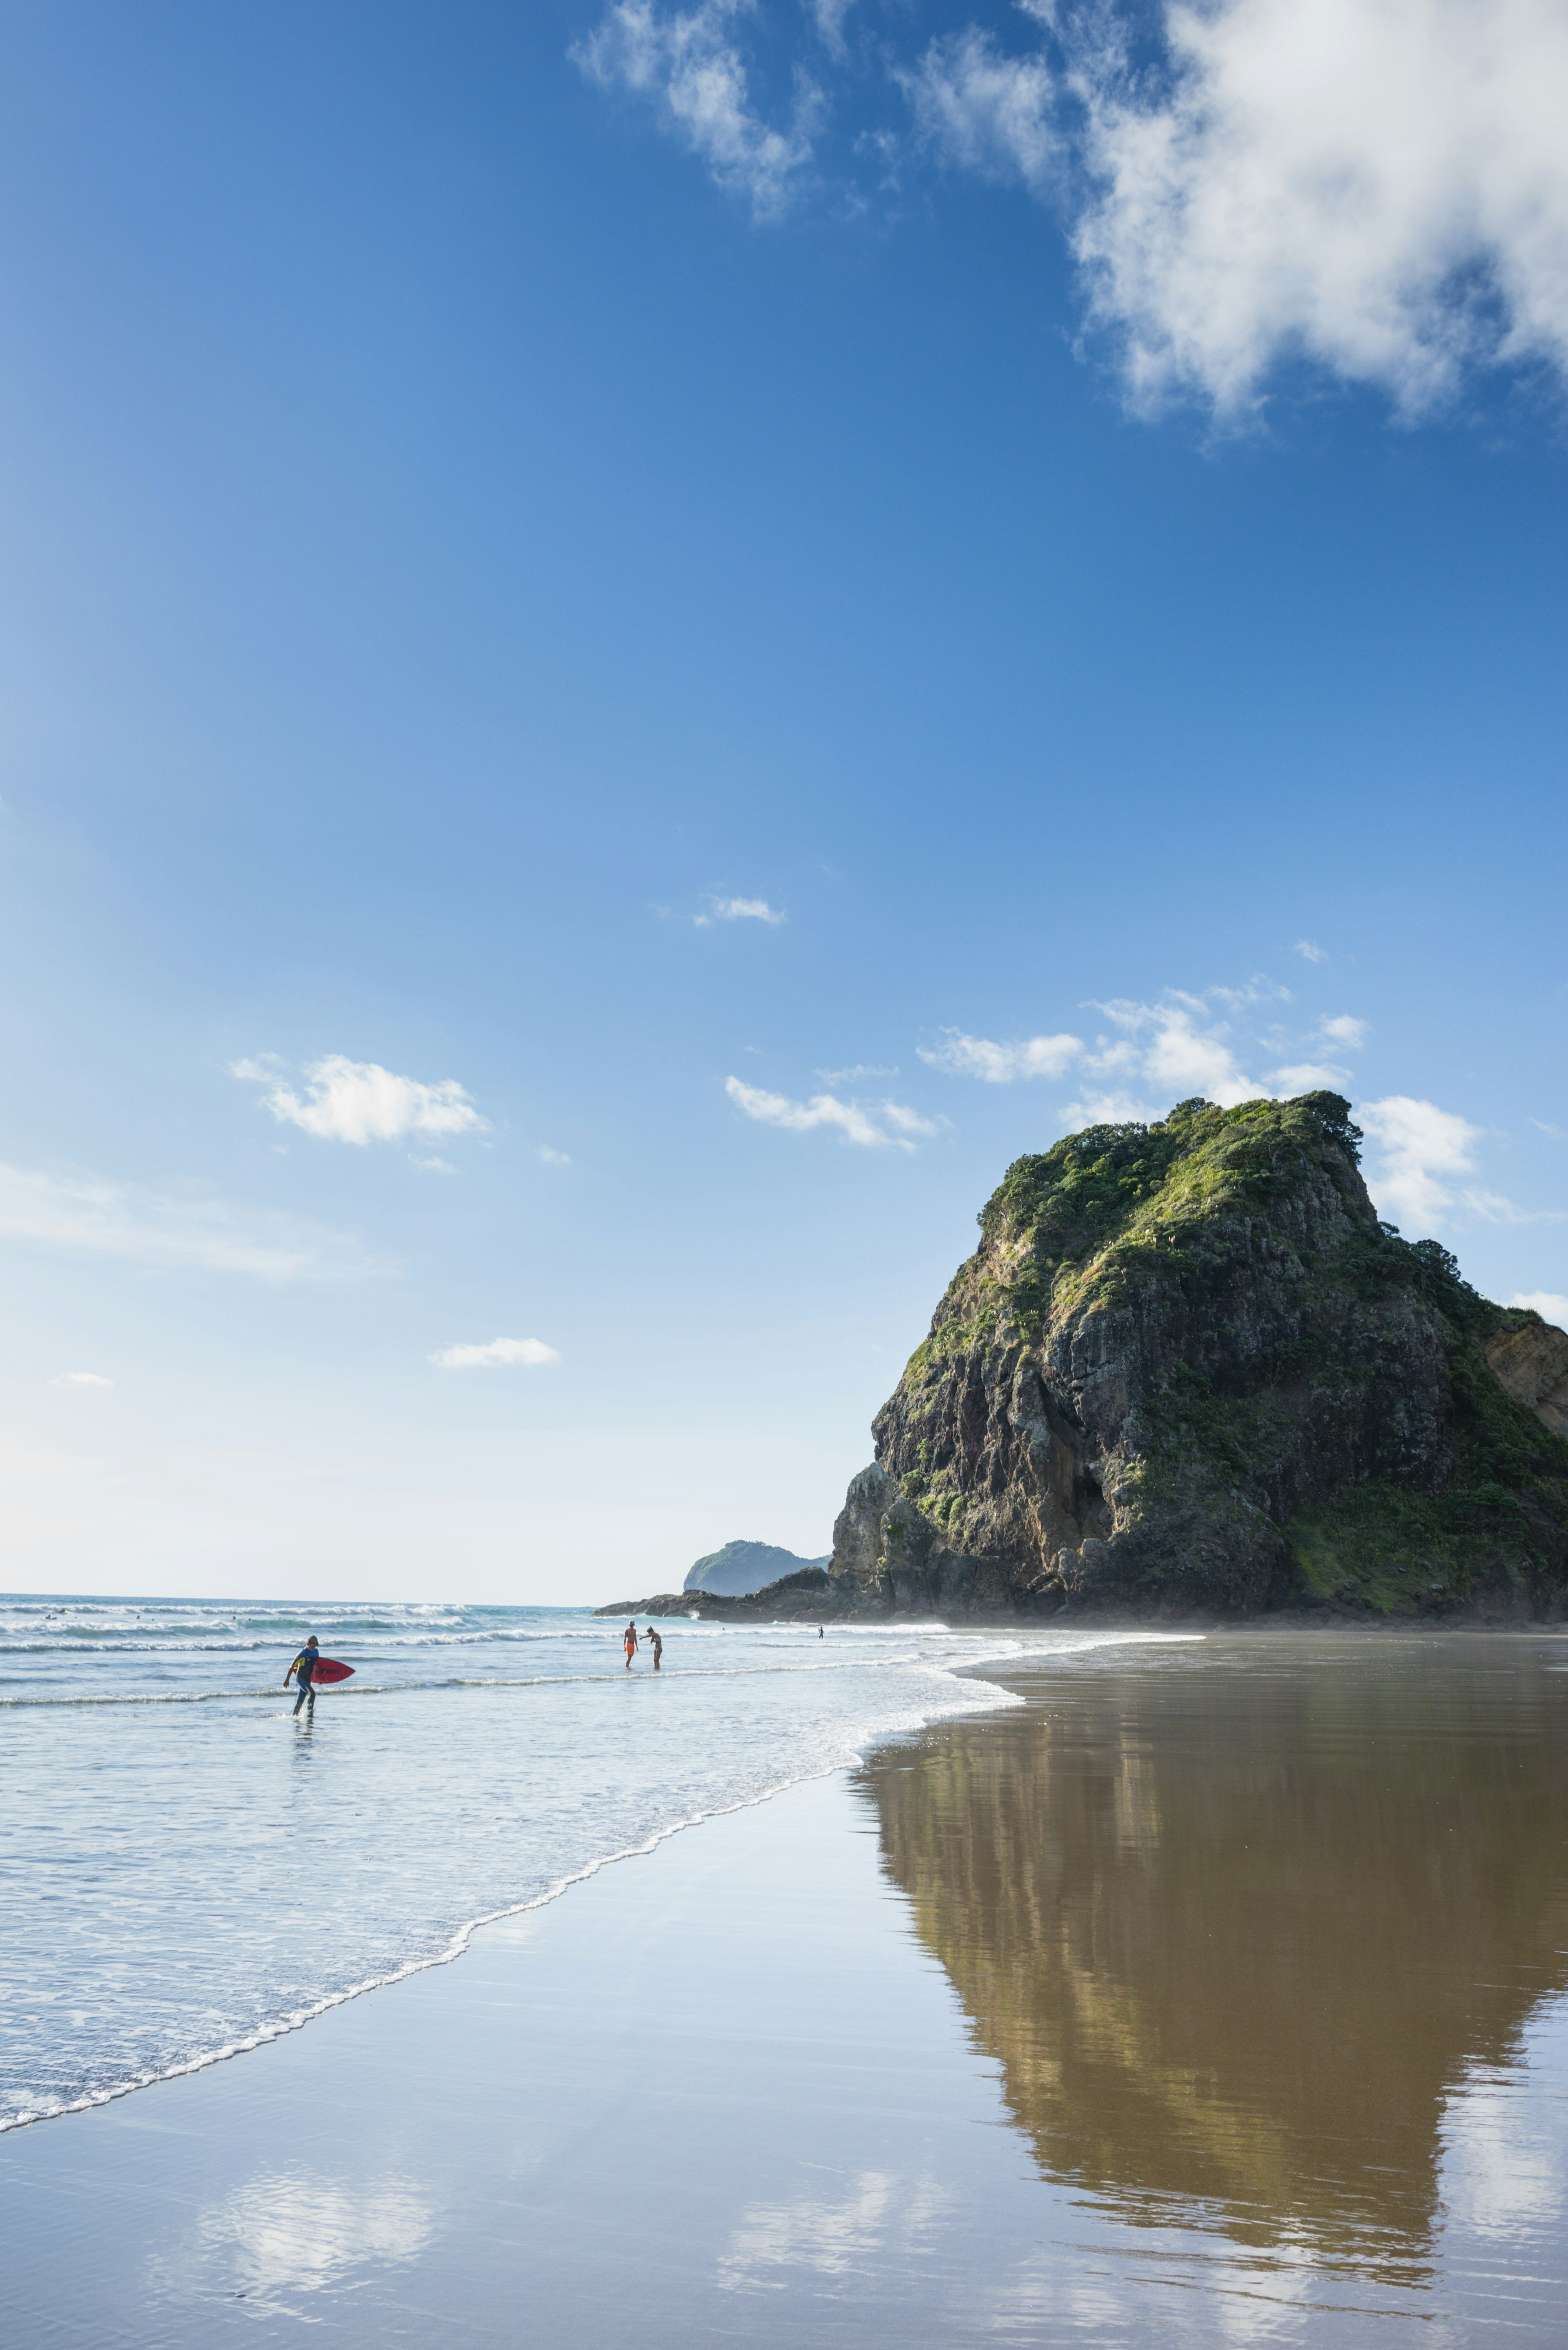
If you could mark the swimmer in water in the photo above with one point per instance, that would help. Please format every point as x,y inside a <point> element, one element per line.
<point>629,1645</point>
<point>658,1648</point>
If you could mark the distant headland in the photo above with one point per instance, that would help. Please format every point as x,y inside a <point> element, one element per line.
<point>1189,1372</point>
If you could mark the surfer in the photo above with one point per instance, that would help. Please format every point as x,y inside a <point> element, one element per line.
<point>303,1666</point>
<point>629,1644</point>
<point>658,1648</point>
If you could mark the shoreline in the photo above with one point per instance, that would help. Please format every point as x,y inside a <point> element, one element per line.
<point>461,1938</point>
<point>777,2087</point>
<point>1491,1612</point>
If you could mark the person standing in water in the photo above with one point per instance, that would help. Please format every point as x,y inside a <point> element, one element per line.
<point>629,1644</point>
<point>304,1666</point>
<point>658,1648</point>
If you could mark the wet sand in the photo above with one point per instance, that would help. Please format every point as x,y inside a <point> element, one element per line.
<point>1212,1997</point>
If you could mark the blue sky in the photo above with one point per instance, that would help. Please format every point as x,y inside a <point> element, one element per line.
<point>679,632</point>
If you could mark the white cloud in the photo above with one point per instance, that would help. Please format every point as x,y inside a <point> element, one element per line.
<point>1309,949</point>
<point>1157,1052</point>
<point>360,1102</point>
<point>1000,1064</point>
<point>81,1379</point>
<point>1423,1152</point>
<point>1381,187</point>
<point>688,65</point>
<point>492,1354</point>
<point>1547,1303</point>
<point>85,1212</point>
<point>738,909</point>
<point>553,1158</point>
<point>1422,1147</point>
<point>1377,186</point>
<point>866,1124</point>
<point>850,1077</point>
<point>1178,1049</point>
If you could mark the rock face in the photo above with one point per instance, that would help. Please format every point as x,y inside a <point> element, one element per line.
<point>1187,1369</point>
<point>744,1566</point>
<point>1530,1357</point>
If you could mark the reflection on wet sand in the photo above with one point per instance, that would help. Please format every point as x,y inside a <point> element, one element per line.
<point>284,2234</point>
<point>1236,1927</point>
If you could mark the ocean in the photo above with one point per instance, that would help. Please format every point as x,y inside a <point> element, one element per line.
<point>186,1870</point>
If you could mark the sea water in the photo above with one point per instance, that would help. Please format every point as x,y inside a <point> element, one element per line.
<point>187,1868</point>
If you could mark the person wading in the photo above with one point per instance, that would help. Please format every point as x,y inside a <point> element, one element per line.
<point>658,1646</point>
<point>629,1645</point>
<point>304,1666</point>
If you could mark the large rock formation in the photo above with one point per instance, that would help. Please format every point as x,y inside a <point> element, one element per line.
<point>1187,1369</point>
<point>742,1567</point>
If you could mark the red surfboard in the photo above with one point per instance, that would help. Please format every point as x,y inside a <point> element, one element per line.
<point>328,1669</point>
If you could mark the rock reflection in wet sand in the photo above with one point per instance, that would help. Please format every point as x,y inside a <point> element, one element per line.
<point>1235,1929</point>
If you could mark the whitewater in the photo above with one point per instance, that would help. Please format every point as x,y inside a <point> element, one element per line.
<point>187,1870</point>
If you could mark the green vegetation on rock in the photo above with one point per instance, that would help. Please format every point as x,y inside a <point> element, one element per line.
<point>1188,1367</point>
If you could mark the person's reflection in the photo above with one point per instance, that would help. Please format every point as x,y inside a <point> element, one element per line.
<point>1232,1936</point>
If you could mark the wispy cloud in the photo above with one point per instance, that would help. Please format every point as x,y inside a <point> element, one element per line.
<point>1160,1052</point>
<point>852,1075</point>
<point>739,909</point>
<point>553,1158</point>
<point>1379,189</point>
<point>958,1056</point>
<point>1347,1034</point>
<point>872,1125</point>
<point>1423,1152</point>
<point>81,1379</point>
<point>494,1355</point>
<point>988,112</point>
<point>688,65</point>
<point>1310,951</point>
<point>360,1102</point>
<point>85,1213</point>
<point>829,16</point>
<point>1176,1048</point>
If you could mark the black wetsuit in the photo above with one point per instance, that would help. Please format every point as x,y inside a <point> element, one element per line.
<point>304,1670</point>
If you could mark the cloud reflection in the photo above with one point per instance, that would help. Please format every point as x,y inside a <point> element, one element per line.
<point>302,2231</point>
<point>829,2235</point>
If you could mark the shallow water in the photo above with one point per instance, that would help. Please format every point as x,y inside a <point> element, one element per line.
<point>1269,1940</point>
<point>1217,1999</point>
<point>186,1869</point>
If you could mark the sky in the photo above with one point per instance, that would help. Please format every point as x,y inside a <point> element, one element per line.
<point>639,643</point>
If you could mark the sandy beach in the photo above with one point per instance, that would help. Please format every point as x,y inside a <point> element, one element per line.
<point>1218,2002</point>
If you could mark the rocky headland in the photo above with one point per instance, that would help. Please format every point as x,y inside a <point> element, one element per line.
<point>1189,1372</point>
<point>742,1567</point>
